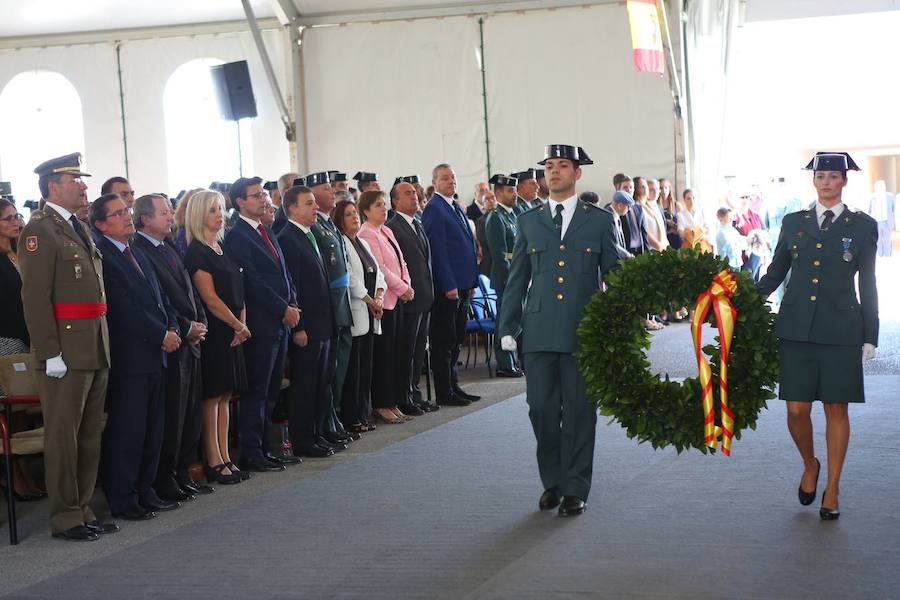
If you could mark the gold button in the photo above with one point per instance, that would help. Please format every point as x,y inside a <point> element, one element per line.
<point>561,280</point>
<point>587,249</point>
<point>561,263</point>
<point>74,256</point>
<point>68,327</point>
<point>815,280</point>
<point>562,246</point>
<point>819,245</point>
<point>559,296</point>
<point>816,263</point>
<point>813,298</point>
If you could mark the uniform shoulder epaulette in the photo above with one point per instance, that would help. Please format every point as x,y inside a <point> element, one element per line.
<point>863,216</point>
<point>587,205</point>
<point>37,215</point>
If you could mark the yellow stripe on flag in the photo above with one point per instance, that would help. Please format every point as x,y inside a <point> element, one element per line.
<point>646,36</point>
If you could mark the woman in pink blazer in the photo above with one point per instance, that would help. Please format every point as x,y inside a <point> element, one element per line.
<point>386,387</point>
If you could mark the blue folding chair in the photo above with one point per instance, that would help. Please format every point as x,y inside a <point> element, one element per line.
<point>482,321</point>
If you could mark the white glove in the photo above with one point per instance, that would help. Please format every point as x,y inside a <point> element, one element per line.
<point>508,343</point>
<point>56,368</point>
<point>868,352</point>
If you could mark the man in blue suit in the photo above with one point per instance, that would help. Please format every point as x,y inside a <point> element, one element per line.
<point>455,271</point>
<point>271,310</point>
<point>142,332</point>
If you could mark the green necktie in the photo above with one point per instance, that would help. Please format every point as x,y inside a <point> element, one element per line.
<point>312,240</point>
<point>557,220</point>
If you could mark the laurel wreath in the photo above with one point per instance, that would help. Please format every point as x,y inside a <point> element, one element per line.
<point>613,344</point>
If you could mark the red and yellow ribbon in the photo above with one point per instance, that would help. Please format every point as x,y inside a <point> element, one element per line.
<point>717,297</point>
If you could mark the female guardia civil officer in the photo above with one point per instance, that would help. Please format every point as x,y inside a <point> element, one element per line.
<point>824,332</point>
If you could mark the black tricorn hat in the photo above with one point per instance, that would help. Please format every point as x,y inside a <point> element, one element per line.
<point>500,179</point>
<point>298,181</point>
<point>832,161</point>
<point>411,179</point>
<point>270,186</point>
<point>365,176</point>
<point>526,174</point>
<point>337,176</point>
<point>574,153</point>
<point>319,178</point>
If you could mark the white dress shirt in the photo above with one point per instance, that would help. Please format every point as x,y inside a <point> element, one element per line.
<point>254,224</point>
<point>569,205</point>
<point>837,209</point>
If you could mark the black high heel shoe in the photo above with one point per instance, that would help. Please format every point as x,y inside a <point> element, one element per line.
<point>807,498</point>
<point>214,474</point>
<point>828,514</point>
<point>242,475</point>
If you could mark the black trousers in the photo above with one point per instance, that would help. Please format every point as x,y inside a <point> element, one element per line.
<point>409,336</point>
<point>308,399</point>
<point>132,439</point>
<point>448,331</point>
<point>386,390</point>
<point>356,403</point>
<point>183,408</point>
<point>419,356</point>
<point>264,357</point>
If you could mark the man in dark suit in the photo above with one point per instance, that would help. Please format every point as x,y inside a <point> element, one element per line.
<point>153,218</point>
<point>417,253</point>
<point>142,332</point>
<point>308,349</point>
<point>477,209</point>
<point>271,310</point>
<point>633,221</point>
<point>455,270</point>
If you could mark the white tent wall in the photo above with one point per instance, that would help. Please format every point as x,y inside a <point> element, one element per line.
<point>146,67</point>
<point>566,76</point>
<point>396,98</point>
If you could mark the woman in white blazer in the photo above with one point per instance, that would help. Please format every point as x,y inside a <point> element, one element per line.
<point>367,287</point>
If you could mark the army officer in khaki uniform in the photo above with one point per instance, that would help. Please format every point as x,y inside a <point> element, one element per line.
<point>561,249</point>
<point>62,290</point>
<point>824,332</point>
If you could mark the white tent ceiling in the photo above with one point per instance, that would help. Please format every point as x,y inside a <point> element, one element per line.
<point>23,18</point>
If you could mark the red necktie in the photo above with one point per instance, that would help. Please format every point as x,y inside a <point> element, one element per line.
<point>265,236</point>
<point>130,257</point>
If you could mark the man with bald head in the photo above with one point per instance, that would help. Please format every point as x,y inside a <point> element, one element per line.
<point>284,182</point>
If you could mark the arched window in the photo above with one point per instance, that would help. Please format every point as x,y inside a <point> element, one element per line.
<point>40,117</point>
<point>201,146</point>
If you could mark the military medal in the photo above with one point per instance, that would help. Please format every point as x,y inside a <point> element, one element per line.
<point>847,255</point>
<point>77,271</point>
<point>333,258</point>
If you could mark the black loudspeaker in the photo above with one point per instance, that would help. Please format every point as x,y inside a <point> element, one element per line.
<point>234,91</point>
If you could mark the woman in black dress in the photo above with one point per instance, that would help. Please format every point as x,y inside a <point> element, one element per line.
<point>220,285</point>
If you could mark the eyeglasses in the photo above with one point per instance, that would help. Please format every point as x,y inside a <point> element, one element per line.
<point>11,218</point>
<point>119,213</point>
<point>260,195</point>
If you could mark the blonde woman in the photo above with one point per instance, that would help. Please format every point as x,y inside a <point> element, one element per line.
<point>220,285</point>
<point>654,225</point>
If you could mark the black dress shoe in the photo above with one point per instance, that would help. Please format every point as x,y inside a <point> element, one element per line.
<point>79,533</point>
<point>161,506</point>
<point>571,506</point>
<point>509,373</point>
<point>335,446</point>
<point>313,451</point>
<point>177,495</point>
<point>336,439</point>
<point>135,514</point>
<point>284,459</point>
<point>101,528</point>
<point>807,498</point>
<point>465,395</point>
<point>411,409</point>
<point>428,406</point>
<point>260,465</point>
<point>370,425</point>
<point>549,499</point>
<point>198,489</point>
<point>453,400</point>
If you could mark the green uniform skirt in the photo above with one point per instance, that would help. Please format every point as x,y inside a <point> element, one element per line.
<point>826,372</point>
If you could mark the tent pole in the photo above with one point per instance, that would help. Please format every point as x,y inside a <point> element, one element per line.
<point>122,104</point>
<point>487,137</point>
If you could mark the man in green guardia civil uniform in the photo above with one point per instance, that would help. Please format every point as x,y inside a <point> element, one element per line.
<point>334,255</point>
<point>562,248</point>
<point>527,190</point>
<point>500,231</point>
<point>824,332</point>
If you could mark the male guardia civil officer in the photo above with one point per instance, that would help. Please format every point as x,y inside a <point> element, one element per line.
<point>562,248</point>
<point>65,308</point>
<point>527,190</point>
<point>824,333</point>
<point>500,230</point>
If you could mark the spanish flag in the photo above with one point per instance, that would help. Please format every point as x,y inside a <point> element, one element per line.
<point>646,38</point>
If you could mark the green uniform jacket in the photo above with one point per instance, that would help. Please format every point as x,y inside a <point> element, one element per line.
<point>551,279</point>
<point>331,247</point>
<point>57,268</point>
<point>820,303</point>
<point>500,231</point>
<point>522,205</point>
